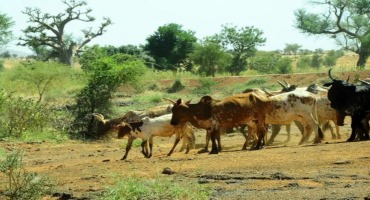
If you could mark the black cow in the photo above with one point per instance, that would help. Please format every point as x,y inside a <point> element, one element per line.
<point>353,100</point>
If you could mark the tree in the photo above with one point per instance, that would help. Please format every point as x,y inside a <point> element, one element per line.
<point>48,31</point>
<point>104,75</point>
<point>170,46</point>
<point>345,21</point>
<point>5,24</point>
<point>331,57</point>
<point>292,48</point>
<point>241,42</point>
<point>210,57</point>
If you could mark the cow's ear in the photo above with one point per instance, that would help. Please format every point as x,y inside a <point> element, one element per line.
<point>327,84</point>
<point>179,101</point>
<point>188,102</point>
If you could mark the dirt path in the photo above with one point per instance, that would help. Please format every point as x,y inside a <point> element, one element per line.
<point>334,169</point>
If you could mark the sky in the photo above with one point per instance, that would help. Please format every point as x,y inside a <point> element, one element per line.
<point>135,20</point>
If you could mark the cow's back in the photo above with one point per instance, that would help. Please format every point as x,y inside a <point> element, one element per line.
<point>240,109</point>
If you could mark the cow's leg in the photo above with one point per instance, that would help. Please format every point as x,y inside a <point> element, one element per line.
<point>261,131</point>
<point>354,125</point>
<point>244,133</point>
<point>275,129</point>
<point>177,140</point>
<point>218,138</point>
<point>366,126</point>
<point>305,133</point>
<point>128,146</point>
<point>150,146</point>
<point>288,132</point>
<point>299,126</point>
<point>208,137</point>
<point>319,135</point>
<point>144,148</point>
<point>337,131</point>
<point>214,149</point>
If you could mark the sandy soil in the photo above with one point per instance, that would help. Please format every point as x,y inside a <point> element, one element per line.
<point>334,169</point>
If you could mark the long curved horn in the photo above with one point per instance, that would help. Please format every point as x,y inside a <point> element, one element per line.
<point>364,82</point>
<point>287,84</point>
<point>330,74</point>
<point>284,86</point>
<point>267,92</point>
<point>170,100</point>
<point>99,117</point>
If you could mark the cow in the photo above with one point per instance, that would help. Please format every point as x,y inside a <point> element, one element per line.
<point>353,100</point>
<point>285,107</point>
<point>214,115</point>
<point>324,111</point>
<point>298,106</point>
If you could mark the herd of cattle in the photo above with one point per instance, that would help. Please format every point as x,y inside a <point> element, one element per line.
<point>311,108</point>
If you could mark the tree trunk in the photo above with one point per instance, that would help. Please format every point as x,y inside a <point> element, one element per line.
<point>67,55</point>
<point>364,53</point>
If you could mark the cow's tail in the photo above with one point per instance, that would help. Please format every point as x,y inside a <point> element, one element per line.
<point>316,119</point>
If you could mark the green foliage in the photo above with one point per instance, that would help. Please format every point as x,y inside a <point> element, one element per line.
<point>292,48</point>
<point>5,34</point>
<point>20,184</point>
<point>131,188</point>
<point>285,65</point>
<point>104,76</point>
<point>170,46</point>
<point>316,61</point>
<point>331,57</point>
<point>205,86</point>
<point>241,42</point>
<point>1,65</point>
<point>20,115</point>
<point>304,62</point>
<point>211,58</point>
<point>265,62</point>
<point>37,77</point>
<point>344,21</point>
<point>176,86</point>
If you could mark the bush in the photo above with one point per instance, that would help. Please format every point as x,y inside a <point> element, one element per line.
<point>285,66</point>
<point>21,184</point>
<point>20,115</point>
<point>304,62</point>
<point>104,77</point>
<point>265,63</point>
<point>205,86</point>
<point>176,86</point>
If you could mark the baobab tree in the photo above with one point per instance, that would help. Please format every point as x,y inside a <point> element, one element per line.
<point>48,31</point>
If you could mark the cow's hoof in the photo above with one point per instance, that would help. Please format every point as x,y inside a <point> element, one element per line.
<point>214,152</point>
<point>203,151</point>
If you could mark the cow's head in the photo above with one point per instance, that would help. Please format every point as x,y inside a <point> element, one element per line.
<point>340,93</point>
<point>185,112</point>
<point>127,128</point>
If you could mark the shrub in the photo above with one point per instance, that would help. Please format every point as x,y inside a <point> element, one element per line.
<point>176,86</point>
<point>21,184</point>
<point>285,65</point>
<point>265,62</point>
<point>104,77</point>
<point>304,62</point>
<point>20,115</point>
<point>205,86</point>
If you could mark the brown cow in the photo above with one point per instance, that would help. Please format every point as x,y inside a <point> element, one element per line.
<point>214,115</point>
